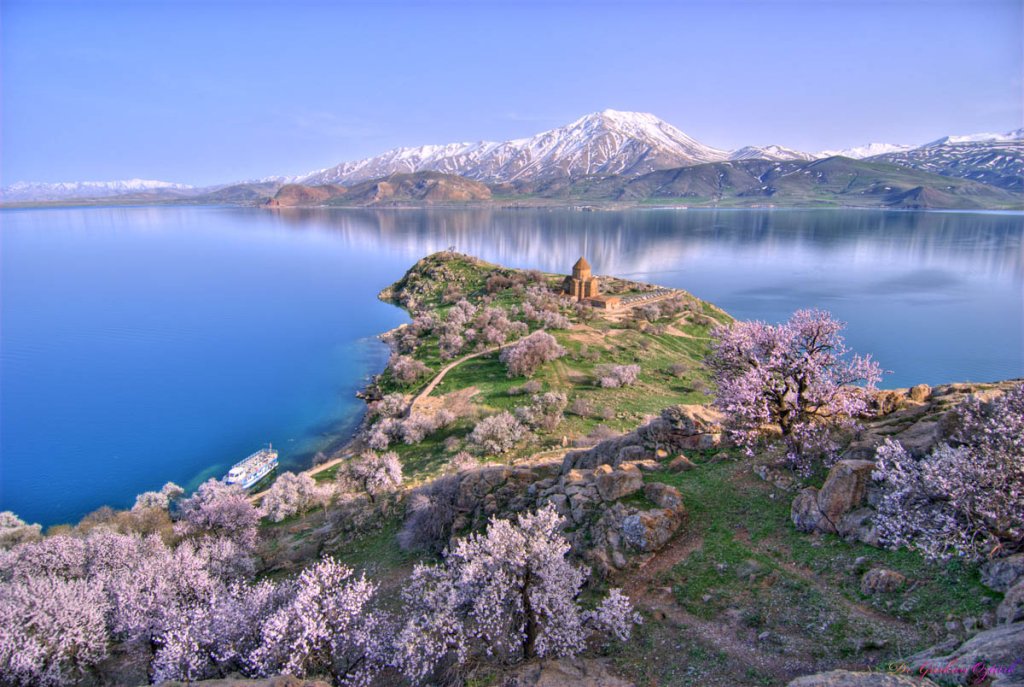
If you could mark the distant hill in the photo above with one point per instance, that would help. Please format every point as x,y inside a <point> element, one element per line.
<point>835,181</point>
<point>419,188</point>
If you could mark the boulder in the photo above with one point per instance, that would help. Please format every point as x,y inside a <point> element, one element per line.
<point>650,530</point>
<point>998,650</point>
<point>1011,610</point>
<point>888,402</point>
<point>859,525</point>
<point>881,581</point>
<point>919,393</point>
<point>847,678</point>
<point>680,464</point>
<point>1001,574</point>
<point>664,495</point>
<point>613,484</point>
<point>565,672</point>
<point>804,512</point>
<point>843,491</point>
<point>920,438</point>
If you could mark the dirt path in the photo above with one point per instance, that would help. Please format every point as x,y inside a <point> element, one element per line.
<point>718,633</point>
<point>439,377</point>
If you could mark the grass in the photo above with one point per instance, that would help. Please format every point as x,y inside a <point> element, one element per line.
<point>752,556</point>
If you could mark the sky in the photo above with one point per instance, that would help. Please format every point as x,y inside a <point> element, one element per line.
<point>208,92</point>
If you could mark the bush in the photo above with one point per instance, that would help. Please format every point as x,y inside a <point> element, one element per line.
<point>544,412</point>
<point>531,387</point>
<point>429,517</point>
<point>525,357</point>
<point>615,376</point>
<point>511,593</point>
<point>497,433</point>
<point>292,494</point>
<point>967,497</point>
<point>407,370</point>
<point>375,474</point>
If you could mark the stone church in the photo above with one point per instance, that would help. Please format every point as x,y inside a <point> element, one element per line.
<point>583,286</point>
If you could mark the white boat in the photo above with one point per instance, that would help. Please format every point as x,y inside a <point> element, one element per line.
<point>249,472</point>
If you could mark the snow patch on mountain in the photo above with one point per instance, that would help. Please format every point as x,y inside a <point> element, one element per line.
<point>770,152</point>
<point>869,150</point>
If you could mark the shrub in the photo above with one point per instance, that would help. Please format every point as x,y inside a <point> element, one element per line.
<point>510,593</point>
<point>967,497</point>
<point>525,357</point>
<point>531,387</point>
<point>497,433</point>
<point>159,499</point>
<point>430,514</point>
<point>407,370</point>
<point>292,494</point>
<point>544,412</point>
<point>219,509</point>
<point>615,376</point>
<point>14,530</point>
<point>375,474</point>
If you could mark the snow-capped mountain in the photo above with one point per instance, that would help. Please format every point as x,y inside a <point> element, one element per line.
<point>608,142</point>
<point>771,152</point>
<point>1015,135</point>
<point>30,191</point>
<point>869,150</point>
<point>997,160</point>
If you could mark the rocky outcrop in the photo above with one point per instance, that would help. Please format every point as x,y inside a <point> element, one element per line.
<point>565,672</point>
<point>827,509</point>
<point>1002,573</point>
<point>997,652</point>
<point>679,428</point>
<point>1011,610</point>
<point>846,678</point>
<point>613,517</point>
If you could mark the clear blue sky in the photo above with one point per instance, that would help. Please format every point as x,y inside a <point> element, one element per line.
<point>202,92</point>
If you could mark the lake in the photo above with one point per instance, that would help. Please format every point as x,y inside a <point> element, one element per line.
<point>141,345</point>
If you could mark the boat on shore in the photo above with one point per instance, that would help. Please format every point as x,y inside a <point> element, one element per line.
<point>247,473</point>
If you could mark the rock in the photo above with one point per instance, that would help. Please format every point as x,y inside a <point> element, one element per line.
<point>565,672</point>
<point>888,402</point>
<point>664,495</point>
<point>622,481</point>
<point>680,464</point>
<point>998,650</point>
<point>919,393</point>
<point>843,490</point>
<point>1001,574</point>
<point>920,438</point>
<point>846,678</point>
<point>881,581</point>
<point>858,525</point>
<point>804,512</point>
<point>1011,610</point>
<point>650,530</point>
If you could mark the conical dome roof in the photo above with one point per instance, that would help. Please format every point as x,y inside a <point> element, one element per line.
<point>581,264</point>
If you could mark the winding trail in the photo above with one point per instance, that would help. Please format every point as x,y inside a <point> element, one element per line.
<point>439,377</point>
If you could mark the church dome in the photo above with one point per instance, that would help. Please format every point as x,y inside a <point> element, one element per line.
<point>581,264</point>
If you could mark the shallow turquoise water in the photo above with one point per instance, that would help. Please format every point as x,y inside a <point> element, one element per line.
<point>141,345</point>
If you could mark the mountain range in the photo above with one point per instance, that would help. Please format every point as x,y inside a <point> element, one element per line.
<point>586,153</point>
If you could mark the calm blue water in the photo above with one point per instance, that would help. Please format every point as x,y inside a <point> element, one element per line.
<point>141,345</point>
